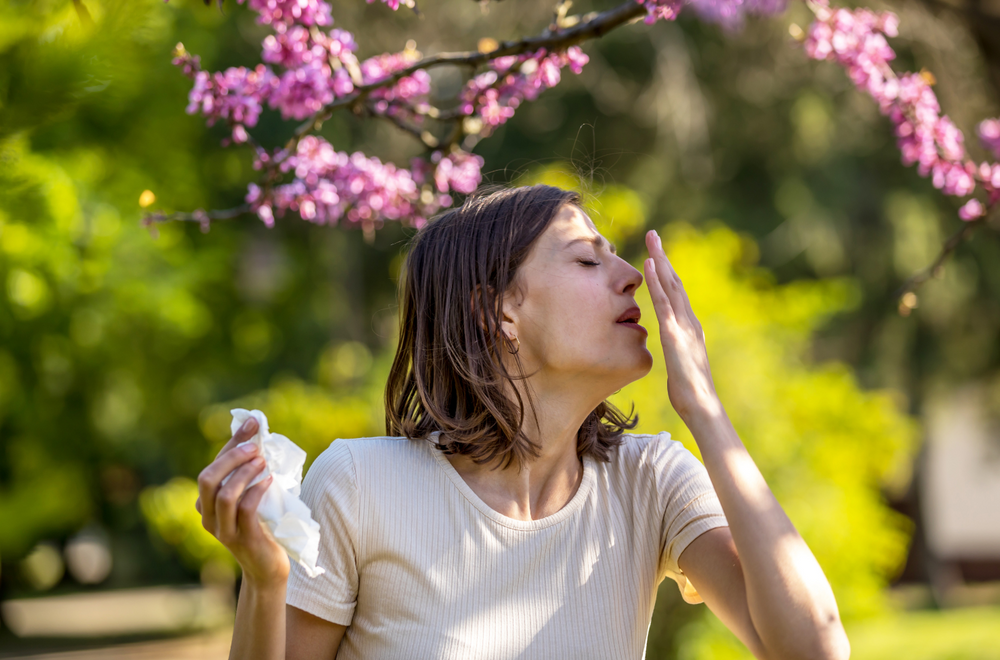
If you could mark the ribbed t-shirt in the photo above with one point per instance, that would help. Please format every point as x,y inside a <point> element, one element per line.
<point>419,566</point>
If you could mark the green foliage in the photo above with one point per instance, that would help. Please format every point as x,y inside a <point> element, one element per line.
<point>170,512</point>
<point>825,446</point>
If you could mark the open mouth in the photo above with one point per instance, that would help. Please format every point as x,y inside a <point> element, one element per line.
<point>631,318</point>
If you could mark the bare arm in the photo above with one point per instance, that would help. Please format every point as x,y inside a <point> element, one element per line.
<point>758,576</point>
<point>265,628</point>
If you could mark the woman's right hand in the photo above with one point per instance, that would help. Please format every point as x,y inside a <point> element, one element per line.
<point>229,512</point>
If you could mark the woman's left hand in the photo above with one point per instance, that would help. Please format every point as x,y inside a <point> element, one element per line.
<point>689,378</point>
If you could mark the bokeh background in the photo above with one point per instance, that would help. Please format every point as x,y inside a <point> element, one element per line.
<point>784,206</point>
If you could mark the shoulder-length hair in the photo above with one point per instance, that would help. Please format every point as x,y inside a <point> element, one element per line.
<point>448,375</point>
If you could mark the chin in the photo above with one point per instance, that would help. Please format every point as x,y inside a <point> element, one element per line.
<point>629,374</point>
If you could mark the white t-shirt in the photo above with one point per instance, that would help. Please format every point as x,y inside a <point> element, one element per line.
<point>418,566</point>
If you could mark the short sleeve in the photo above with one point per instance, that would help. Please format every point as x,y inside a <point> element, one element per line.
<point>330,489</point>
<point>689,504</point>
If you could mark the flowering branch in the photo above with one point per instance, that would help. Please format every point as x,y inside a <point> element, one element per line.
<point>319,73</point>
<point>857,41</point>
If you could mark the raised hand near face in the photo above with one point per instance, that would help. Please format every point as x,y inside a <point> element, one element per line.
<point>689,378</point>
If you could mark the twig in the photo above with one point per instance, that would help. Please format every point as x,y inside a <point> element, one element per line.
<point>935,268</point>
<point>200,216</point>
<point>426,137</point>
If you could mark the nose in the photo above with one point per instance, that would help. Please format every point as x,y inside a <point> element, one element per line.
<point>632,278</point>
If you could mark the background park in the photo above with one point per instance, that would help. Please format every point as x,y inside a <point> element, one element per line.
<point>158,270</point>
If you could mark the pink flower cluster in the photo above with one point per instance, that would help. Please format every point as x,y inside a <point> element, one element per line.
<point>989,135</point>
<point>233,95</point>
<point>495,94</point>
<point>408,92</point>
<point>331,185</point>
<point>281,14</point>
<point>661,10</point>
<point>857,41</point>
<point>459,171</point>
<point>316,69</point>
<point>296,46</point>
<point>730,14</point>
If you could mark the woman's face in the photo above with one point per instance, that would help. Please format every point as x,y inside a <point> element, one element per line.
<point>572,292</point>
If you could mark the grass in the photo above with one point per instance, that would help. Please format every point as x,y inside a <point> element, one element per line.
<point>961,634</point>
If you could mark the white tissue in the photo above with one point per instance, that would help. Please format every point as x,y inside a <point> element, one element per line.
<point>288,517</point>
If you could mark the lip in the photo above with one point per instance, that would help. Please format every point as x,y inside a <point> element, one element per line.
<point>631,313</point>
<point>635,326</point>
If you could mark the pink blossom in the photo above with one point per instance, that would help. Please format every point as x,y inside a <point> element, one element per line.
<point>495,94</point>
<point>459,171</point>
<point>971,210</point>
<point>666,10</point>
<point>989,135</point>
<point>233,95</point>
<point>331,186</point>
<point>730,14</point>
<point>303,91</point>
<point>282,14</point>
<point>292,48</point>
<point>408,92</point>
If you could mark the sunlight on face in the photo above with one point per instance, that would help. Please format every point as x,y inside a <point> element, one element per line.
<point>572,290</point>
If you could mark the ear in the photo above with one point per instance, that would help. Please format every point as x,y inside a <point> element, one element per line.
<point>511,313</point>
<point>509,310</point>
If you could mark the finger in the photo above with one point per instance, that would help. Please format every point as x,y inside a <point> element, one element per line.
<point>210,480</point>
<point>246,514</point>
<point>229,497</point>
<point>669,279</point>
<point>242,434</point>
<point>661,302</point>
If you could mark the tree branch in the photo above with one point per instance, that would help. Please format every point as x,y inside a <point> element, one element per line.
<point>597,26</point>
<point>426,137</point>
<point>934,270</point>
<point>200,216</point>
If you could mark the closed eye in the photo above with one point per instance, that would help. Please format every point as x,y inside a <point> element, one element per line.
<point>589,263</point>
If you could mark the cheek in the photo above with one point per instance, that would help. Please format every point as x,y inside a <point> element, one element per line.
<point>572,316</point>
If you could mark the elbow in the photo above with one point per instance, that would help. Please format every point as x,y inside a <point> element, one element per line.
<point>828,642</point>
<point>831,643</point>
<point>839,646</point>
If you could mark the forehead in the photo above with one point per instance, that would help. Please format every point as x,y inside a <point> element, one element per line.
<point>571,224</point>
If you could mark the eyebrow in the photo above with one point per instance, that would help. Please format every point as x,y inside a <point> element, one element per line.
<point>598,242</point>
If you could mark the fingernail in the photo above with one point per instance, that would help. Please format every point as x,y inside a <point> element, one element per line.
<point>250,424</point>
<point>257,462</point>
<point>659,241</point>
<point>250,449</point>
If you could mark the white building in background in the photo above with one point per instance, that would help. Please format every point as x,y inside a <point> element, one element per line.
<point>959,489</point>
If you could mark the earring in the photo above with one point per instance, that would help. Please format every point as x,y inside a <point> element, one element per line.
<point>518,347</point>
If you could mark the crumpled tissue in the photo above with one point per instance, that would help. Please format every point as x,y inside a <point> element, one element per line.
<point>289,518</point>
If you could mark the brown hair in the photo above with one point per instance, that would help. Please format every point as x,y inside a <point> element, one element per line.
<point>447,375</point>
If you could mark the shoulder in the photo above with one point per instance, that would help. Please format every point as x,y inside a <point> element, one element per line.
<point>653,460</point>
<point>355,456</point>
<point>648,449</point>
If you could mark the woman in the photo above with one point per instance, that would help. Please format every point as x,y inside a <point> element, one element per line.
<point>508,513</point>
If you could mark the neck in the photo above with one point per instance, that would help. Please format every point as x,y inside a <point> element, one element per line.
<point>546,483</point>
